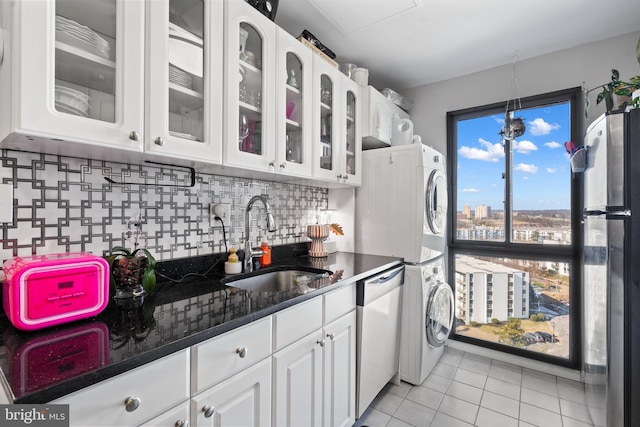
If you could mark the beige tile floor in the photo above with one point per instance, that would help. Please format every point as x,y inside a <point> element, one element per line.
<point>469,390</point>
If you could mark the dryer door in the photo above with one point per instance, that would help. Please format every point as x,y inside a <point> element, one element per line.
<point>436,202</point>
<point>439,315</point>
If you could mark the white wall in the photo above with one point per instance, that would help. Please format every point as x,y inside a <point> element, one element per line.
<point>590,63</point>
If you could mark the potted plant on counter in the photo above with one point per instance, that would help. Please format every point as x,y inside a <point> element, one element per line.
<point>132,275</point>
<point>132,272</point>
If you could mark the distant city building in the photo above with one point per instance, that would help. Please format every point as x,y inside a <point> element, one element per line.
<point>480,232</point>
<point>486,290</point>
<point>467,211</point>
<point>483,211</point>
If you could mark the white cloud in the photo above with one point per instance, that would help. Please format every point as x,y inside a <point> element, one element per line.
<point>470,190</point>
<point>525,168</point>
<point>540,127</point>
<point>552,144</point>
<point>490,153</point>
<point>552,170</point>
<point>524,147</point>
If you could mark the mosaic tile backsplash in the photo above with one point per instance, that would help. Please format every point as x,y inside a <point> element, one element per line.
<point>64,204</point>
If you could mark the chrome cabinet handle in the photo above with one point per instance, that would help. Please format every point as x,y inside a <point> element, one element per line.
<point>339,177</point>
<point>283,165</point>
<point>321,342</point>
<point>242,352</point>
<point>272,163</point>
<point>159,141</point>
<point>346,177</point>
<point>134,136</point>
<point>131,403</point>
<point>181,423</point>
<point>331,336</point>
<point>208,411</point>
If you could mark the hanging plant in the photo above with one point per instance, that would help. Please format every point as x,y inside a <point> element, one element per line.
<point>513,127</point>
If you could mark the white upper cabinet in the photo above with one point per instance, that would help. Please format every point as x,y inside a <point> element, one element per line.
<point>337,135</point>
<point>75,71</point>
<point>249,88</point>
<point>184,79</point>
<point>350,126</point>
<point>294,116</point>
<point>326,132</point>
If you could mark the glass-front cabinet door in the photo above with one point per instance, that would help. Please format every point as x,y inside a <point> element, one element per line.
<point>326,120</point>
<point>184,79</point>
<point>352,144</point>
<point>294,104</point>
<point>250,58</point>
<point>79,71</point>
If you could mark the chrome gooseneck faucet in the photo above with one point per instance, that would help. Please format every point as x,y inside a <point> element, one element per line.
<point>249,252</point>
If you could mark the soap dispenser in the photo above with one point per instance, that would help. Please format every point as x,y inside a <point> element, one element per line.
<point>265,259</point>
<point>233,264</point>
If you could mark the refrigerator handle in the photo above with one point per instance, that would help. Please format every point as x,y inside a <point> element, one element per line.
<point>609,214</point>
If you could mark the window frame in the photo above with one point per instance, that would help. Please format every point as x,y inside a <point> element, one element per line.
<point>571,254</point>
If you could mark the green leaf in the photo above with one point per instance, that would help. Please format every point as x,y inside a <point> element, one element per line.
<point>149,280</point>
<point>121,250</point>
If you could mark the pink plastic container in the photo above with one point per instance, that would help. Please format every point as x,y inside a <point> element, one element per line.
<point>290,107</point>
<point>46,290</point>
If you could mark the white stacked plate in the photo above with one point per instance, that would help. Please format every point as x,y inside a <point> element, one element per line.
<point>77,35</point>
<point>179,77</point>
<point>72,101</point>
<point>183,135</point>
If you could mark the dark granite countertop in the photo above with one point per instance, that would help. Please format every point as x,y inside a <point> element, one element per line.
<point>41,366</point>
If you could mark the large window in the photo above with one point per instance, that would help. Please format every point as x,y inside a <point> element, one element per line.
<point>515,220</point>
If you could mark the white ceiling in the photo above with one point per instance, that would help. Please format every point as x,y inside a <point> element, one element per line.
<point>409,43</point>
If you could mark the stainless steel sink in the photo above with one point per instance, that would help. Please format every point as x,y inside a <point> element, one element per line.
<point>276,279</point>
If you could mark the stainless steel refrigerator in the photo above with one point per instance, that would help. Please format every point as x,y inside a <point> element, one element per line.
<point>611,275</point>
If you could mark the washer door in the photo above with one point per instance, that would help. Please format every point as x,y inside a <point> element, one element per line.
<point>436,206</point>
<point>439,315</point>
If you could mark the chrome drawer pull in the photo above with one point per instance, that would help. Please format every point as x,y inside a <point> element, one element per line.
<point>208,411</point>
<point>131,403</point>
<point>242,351</point>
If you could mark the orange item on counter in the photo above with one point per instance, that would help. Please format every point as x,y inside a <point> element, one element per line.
<point>265,259</point>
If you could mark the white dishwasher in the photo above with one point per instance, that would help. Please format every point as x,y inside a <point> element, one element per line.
<point>379,305</point>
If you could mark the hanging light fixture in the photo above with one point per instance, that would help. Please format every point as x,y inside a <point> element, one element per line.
<point>513,127</point>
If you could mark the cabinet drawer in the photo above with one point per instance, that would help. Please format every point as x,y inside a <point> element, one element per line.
<point>172,417</point>
<point>294,323</point>
<point>339,302</point>
<point>156,386</point>
<point>223,356</point>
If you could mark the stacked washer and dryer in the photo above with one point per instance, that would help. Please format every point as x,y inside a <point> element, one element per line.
<point>401,210</point>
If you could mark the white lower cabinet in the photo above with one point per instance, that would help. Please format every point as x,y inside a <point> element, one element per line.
<point>134,397</point>
<point>297,388</point>
<point>314,378</point>
<point>177,416</point>
<point>340,372</point>
<point>242,400</point>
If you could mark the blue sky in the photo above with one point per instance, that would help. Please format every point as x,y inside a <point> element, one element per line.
<point>541,176</point>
